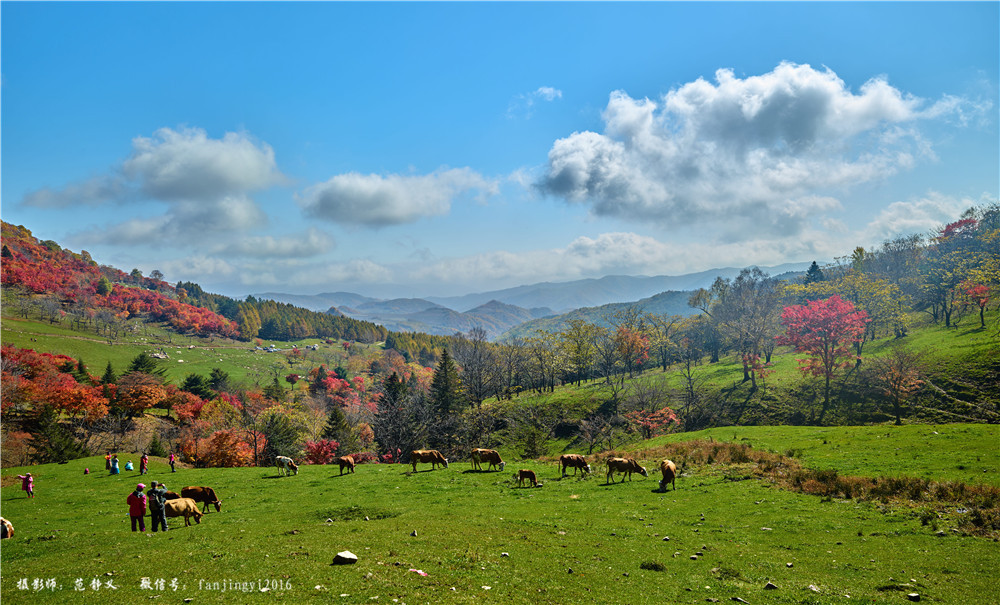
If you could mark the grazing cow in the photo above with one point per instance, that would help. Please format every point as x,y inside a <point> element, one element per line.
<point>525,475</point>
<point>669,471</point>
<point>172,496</point>
<point>286,465</point>
<point>346,462</point>
<point>574,461</point>
<point>432,456</point>
<point>480,455</point>
<point>205,495</point>
<point>6,529</point>
<point>183,507</point>
<point>626,466</point>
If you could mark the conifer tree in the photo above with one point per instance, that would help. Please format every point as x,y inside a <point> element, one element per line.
<point>446,388</point>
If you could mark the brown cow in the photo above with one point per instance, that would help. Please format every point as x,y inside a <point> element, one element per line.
<point>183,507</point>
<point>433,456</point>
<point>526,475</point>
<point>574,461</point>
<point>480,455</point>
<point>172,496</point>
<point>346,462</point>
<point>669,471</point>
<point>205,495</point>
<point>626,466</point>
<point>6,529</point>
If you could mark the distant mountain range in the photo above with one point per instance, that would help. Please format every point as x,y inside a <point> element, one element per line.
<point>500,310</point>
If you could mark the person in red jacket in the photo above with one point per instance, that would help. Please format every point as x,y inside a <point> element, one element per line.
<point>137,507</point>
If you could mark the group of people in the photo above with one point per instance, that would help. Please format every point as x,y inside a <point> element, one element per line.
<point>156,498</point>
<point>111,464</point>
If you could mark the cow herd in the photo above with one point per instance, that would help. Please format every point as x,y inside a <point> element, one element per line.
<point>623,466</point>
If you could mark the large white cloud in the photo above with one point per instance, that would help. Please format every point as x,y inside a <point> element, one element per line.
<point>759,149</point>
<point>204,182</point>
<point>188,165</point>
<point>375,201</point>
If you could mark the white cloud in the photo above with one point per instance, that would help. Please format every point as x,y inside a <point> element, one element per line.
<point>917,216</point>
<point>188,165</point>
<point>625,253</point>
<point>758,150</point>
<point>377,201</point>
<point>294,273</point>
<point>92,192</point>
<point>311,243</point>
<point>523,104</point>
<point>185,222</point>
<point>204,182</point>
<point>196,268</point>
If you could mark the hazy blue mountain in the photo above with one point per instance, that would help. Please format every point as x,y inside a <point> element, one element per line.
<point>416,315</point>
<point>565,296</point>
<point>318,302</point>
<point>664,303</point>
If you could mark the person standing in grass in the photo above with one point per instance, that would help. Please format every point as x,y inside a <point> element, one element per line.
<point>107,461</point>
<point>137,507</point>
<point>28,484</point>
<point>144,464</point>
<point>114,464</point>
<point>172,469</point>
<point>157,500</point>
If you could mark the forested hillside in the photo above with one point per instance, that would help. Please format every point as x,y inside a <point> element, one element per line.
<point>905,332</point>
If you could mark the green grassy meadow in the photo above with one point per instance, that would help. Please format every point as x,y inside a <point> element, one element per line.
<point>479,538</point>
<point>187,354</point>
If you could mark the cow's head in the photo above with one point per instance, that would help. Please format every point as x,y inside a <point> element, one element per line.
<point>294,467</point>
<point>446,463</point>
<point>218,506</point>
<point>588,468</point>
<point>663,485</point>
<point>642,471</point>
<point>502,464</point>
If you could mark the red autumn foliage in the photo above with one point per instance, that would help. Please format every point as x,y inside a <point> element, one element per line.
<point>651,424</point>
<point>321,452</point>
<point>41,268</point>
<point>825,329</point>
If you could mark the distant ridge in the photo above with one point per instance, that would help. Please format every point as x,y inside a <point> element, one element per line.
<point>558,296</point>
<point>502,311</point>
<point>566,296</point>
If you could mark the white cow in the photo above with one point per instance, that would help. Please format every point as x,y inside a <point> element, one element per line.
<point>286,464</point>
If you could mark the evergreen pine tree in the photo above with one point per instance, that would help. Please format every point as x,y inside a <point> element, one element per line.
<point>156,447</point>
<point>109,376</point>
<point>814,274</point>
<point>51,441</point>
<point>145,364</point>
<point>274,391</point>
<point>446,387</point>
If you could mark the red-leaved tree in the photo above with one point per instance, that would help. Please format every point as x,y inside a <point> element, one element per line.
<point>825,330</point>
<point>651,424</point>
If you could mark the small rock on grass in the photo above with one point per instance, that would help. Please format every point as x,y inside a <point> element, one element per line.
<point>345,557</point>
<point>770,586</point>
<point>913,596</point>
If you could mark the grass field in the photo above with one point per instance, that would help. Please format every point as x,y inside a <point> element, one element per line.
<point>478,538</point>
<point>187,354</point>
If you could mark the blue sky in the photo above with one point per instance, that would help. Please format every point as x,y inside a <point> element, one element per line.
<point>417,149</point>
